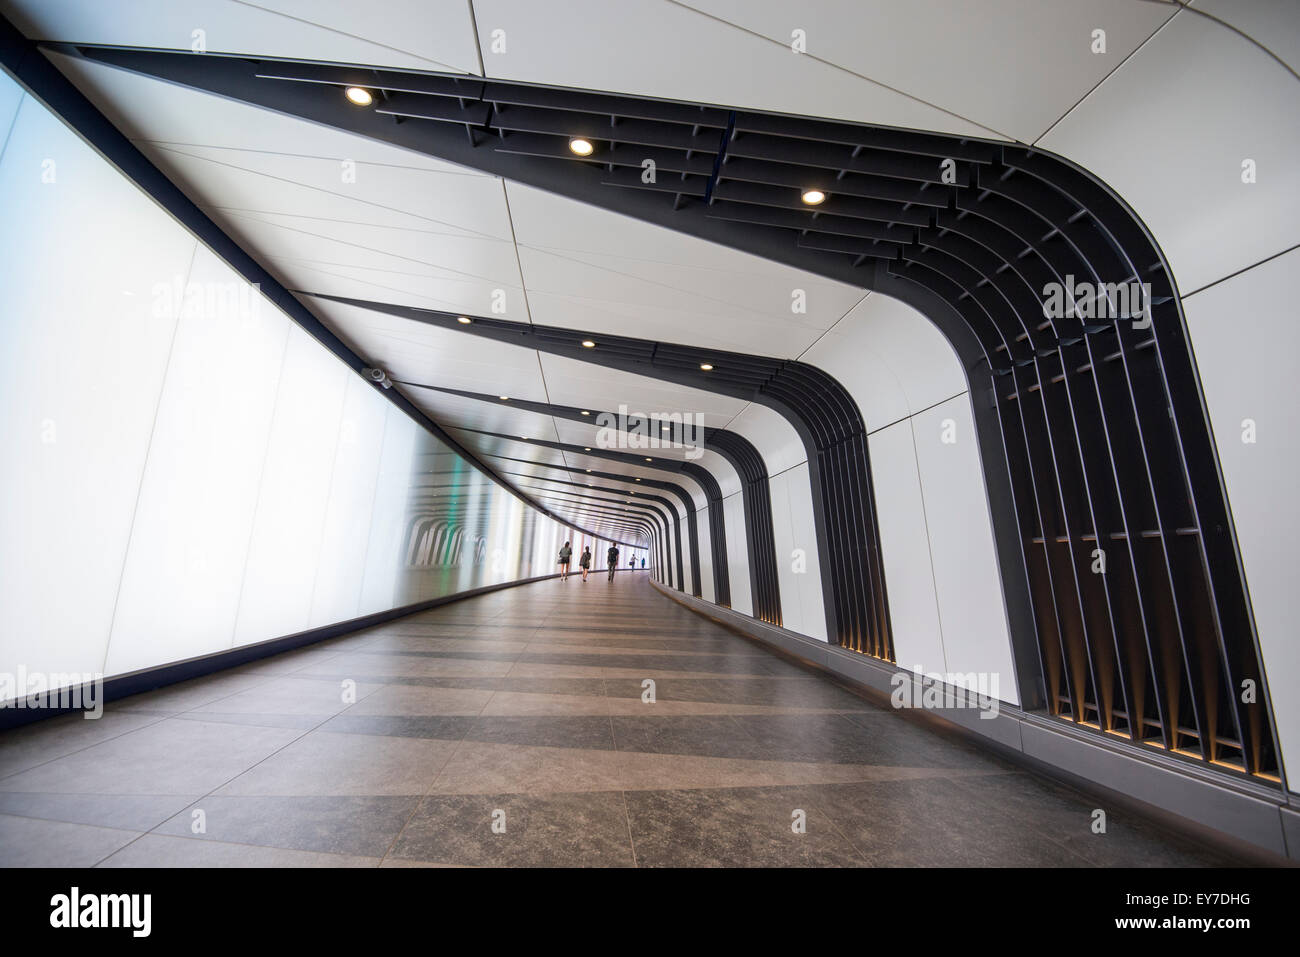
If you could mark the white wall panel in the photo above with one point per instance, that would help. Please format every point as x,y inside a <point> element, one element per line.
<point>737,555</point>
<point>793,528</point>
<point>337,590</point>
<point>185,567</point>
<point>388,525</point>
<point>905,545</point>
<point>11,95</point>
<point>1248,353</point>
<point>707,590</point>
<point>688,557</point>
<point>284,552</point>
<point>892,359</point>
<point>968,583</point>
<point>82,362</point>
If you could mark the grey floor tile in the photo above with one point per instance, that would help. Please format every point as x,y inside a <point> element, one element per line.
<point>31,842</point>
<point>552,830</point>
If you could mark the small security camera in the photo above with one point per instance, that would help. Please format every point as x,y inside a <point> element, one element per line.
<point>378,376</point>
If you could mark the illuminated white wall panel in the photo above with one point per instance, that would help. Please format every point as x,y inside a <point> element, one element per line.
<point>181,585</point>
<point>284,551</point>
<point>336,595</point>
<point>82,359</point>
<point>385,555</point>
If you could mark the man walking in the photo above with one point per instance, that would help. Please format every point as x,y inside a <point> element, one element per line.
<point>612,557</point>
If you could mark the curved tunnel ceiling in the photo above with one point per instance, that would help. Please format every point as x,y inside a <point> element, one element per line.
<point>1092,433</point>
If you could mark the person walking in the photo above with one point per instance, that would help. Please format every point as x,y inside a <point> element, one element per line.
<point>565,554</point>
<point>612,557</point>
<point>643,564</point>
<point>584,562</point>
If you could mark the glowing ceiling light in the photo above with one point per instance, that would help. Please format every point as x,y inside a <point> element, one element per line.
<point>358,96</point>
<point>813,197</point>
<point>581,147</point>
<point>464,320</point>
<point>706,367</point>
<point>588,344</point>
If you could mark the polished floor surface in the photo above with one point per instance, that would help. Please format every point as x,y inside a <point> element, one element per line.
<point>513,729</point>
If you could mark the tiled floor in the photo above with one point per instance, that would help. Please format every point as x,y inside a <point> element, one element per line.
<point>523,710</point>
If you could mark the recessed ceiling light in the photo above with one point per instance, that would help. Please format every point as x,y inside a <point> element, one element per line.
<point>464,320</point>
<point>358,96</point>
<point>588,470</point>
<point>586,449</point>
<point>813,197</point>
<point>663,428</point>
<point>585,412</point>
<point>588,344</point>
<point>581,146</point>
<point>638,480</point>
<point>706,367</point>
<point>649,459</point>
<point>504,398</point>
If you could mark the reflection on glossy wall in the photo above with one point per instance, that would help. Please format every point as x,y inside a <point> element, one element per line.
<point>186,470</point>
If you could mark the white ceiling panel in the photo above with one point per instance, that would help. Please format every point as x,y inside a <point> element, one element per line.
<point>773,436</point>
<point>416,34</point>
<point>428,354</point>
<point>1274,23</point>
<point>892,359</point>
<point>457,411</point>
<point>582,384</point>
<point>665,49</point>
<point>447,204</point>
<point>1190,108</point>
<point>145,108</point>
<point>589,268</point>
<point>968,58</point>
<point>577,433</point>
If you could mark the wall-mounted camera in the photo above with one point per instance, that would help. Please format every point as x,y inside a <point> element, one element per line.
<point>378,376</point>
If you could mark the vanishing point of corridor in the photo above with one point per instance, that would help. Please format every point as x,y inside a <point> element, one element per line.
<point>515,728</point>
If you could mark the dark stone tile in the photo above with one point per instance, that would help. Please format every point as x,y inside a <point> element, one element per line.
<point>361,826</point>
<point>735,827</point>
<point>447,727</point>
<point>718,736</point>
<point>886,740</point>
<point>545,731</point>
<point>550,830</point>
<point>933,823</point>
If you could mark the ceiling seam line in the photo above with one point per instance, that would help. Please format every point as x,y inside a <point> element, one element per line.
<point>1060,119</point>
<point>846,70</point>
